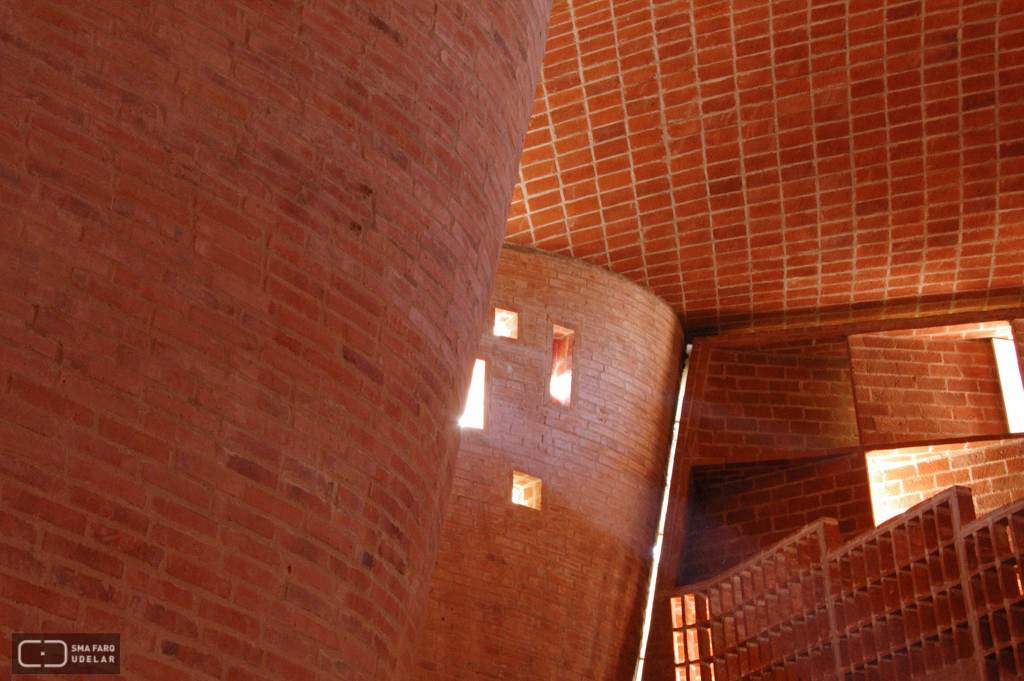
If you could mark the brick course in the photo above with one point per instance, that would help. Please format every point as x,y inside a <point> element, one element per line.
<point>738,510</point>
<point>754,404</point>
<point>942,344</point>
<point>918,389</point>
<point>770,164</point>
<point>993,471</point>
<point>558,592</point>
<point>934,593</point>
<point>245,258</point>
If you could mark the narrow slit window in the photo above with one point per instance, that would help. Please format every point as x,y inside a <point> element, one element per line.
<point>525,490</point>
<point>473,417</point>
<point>561,365</point>
<point>1010,381</point>
<point>506,323</point>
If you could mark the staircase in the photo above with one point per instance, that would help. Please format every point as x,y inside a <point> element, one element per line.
<point>932,594</point>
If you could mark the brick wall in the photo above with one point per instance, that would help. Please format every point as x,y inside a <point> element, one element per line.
<point>809,161</point>
<point>558,592</point>
<point>752,404</point>
<point>933,594</point>
<point>738,510</point>
<point>715,418</point>
<point>993,471</point>
<point>245,254</point>
<point>919,389</point>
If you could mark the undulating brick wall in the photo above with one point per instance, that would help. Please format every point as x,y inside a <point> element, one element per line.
<point>753,404</point>
<point>245,254</point>
<point>918,389</point>
<point>737,510</point>
<point>993,471</point>
<point>557,593</point>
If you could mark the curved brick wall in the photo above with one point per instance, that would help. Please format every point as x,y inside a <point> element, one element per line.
<point>244,257</point>
<point>557,593</point>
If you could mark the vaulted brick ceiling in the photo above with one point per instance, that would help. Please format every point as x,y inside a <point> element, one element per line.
<point>761,162</point>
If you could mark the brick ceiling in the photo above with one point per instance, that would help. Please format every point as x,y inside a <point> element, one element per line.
<point>764,163</point>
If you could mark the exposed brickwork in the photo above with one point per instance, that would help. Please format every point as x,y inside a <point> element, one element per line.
<point>919,389</point>
<point>810,345</point>
<point>738,510</point>
<point>245,254</point>
<point>993,471</point>
<point>754,405</point>
<point>991,329</point>
<point>931,595</point>
<point>790,162</point>
<point>521,594</point>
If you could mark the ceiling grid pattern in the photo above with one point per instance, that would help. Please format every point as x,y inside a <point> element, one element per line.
<point>763,163</point>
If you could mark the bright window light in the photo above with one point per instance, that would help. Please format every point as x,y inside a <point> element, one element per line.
<point>1009,379</point>
<point>561,365</point>
<point>506,323</point>
<point>473,417</point>
<point>525,490</point>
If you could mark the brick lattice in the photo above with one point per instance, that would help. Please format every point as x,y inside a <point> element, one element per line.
<point>735,451</point>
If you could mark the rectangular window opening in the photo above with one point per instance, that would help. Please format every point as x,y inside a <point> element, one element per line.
<point>561,365</point>
<point>525,490</point>
<point>473,417</point>
<point>677,613</point>
<point>506,323</point>
<point>1010,381</point>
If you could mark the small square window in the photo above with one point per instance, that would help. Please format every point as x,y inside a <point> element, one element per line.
<point>525,490</point>
<point>506,323</point>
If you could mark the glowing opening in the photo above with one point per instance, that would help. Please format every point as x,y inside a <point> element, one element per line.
<point>506,323</point>
<point>679,647</point>
<point>677,613</point>
<point>1009,379</point>
<point>473,417</point>
<point>691,609</point>
<point>678,607</point>
<point>525,490</point>
<point>561,365</point>
<point>692,645</point>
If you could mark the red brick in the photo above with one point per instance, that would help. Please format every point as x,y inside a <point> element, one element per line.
<point>805,78</point>
<point>53,513</point>
<point>197,575</point>
<point>34,596</point>
<point>597,458</point>
<point>85,555</point>
<point>902,379</point>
